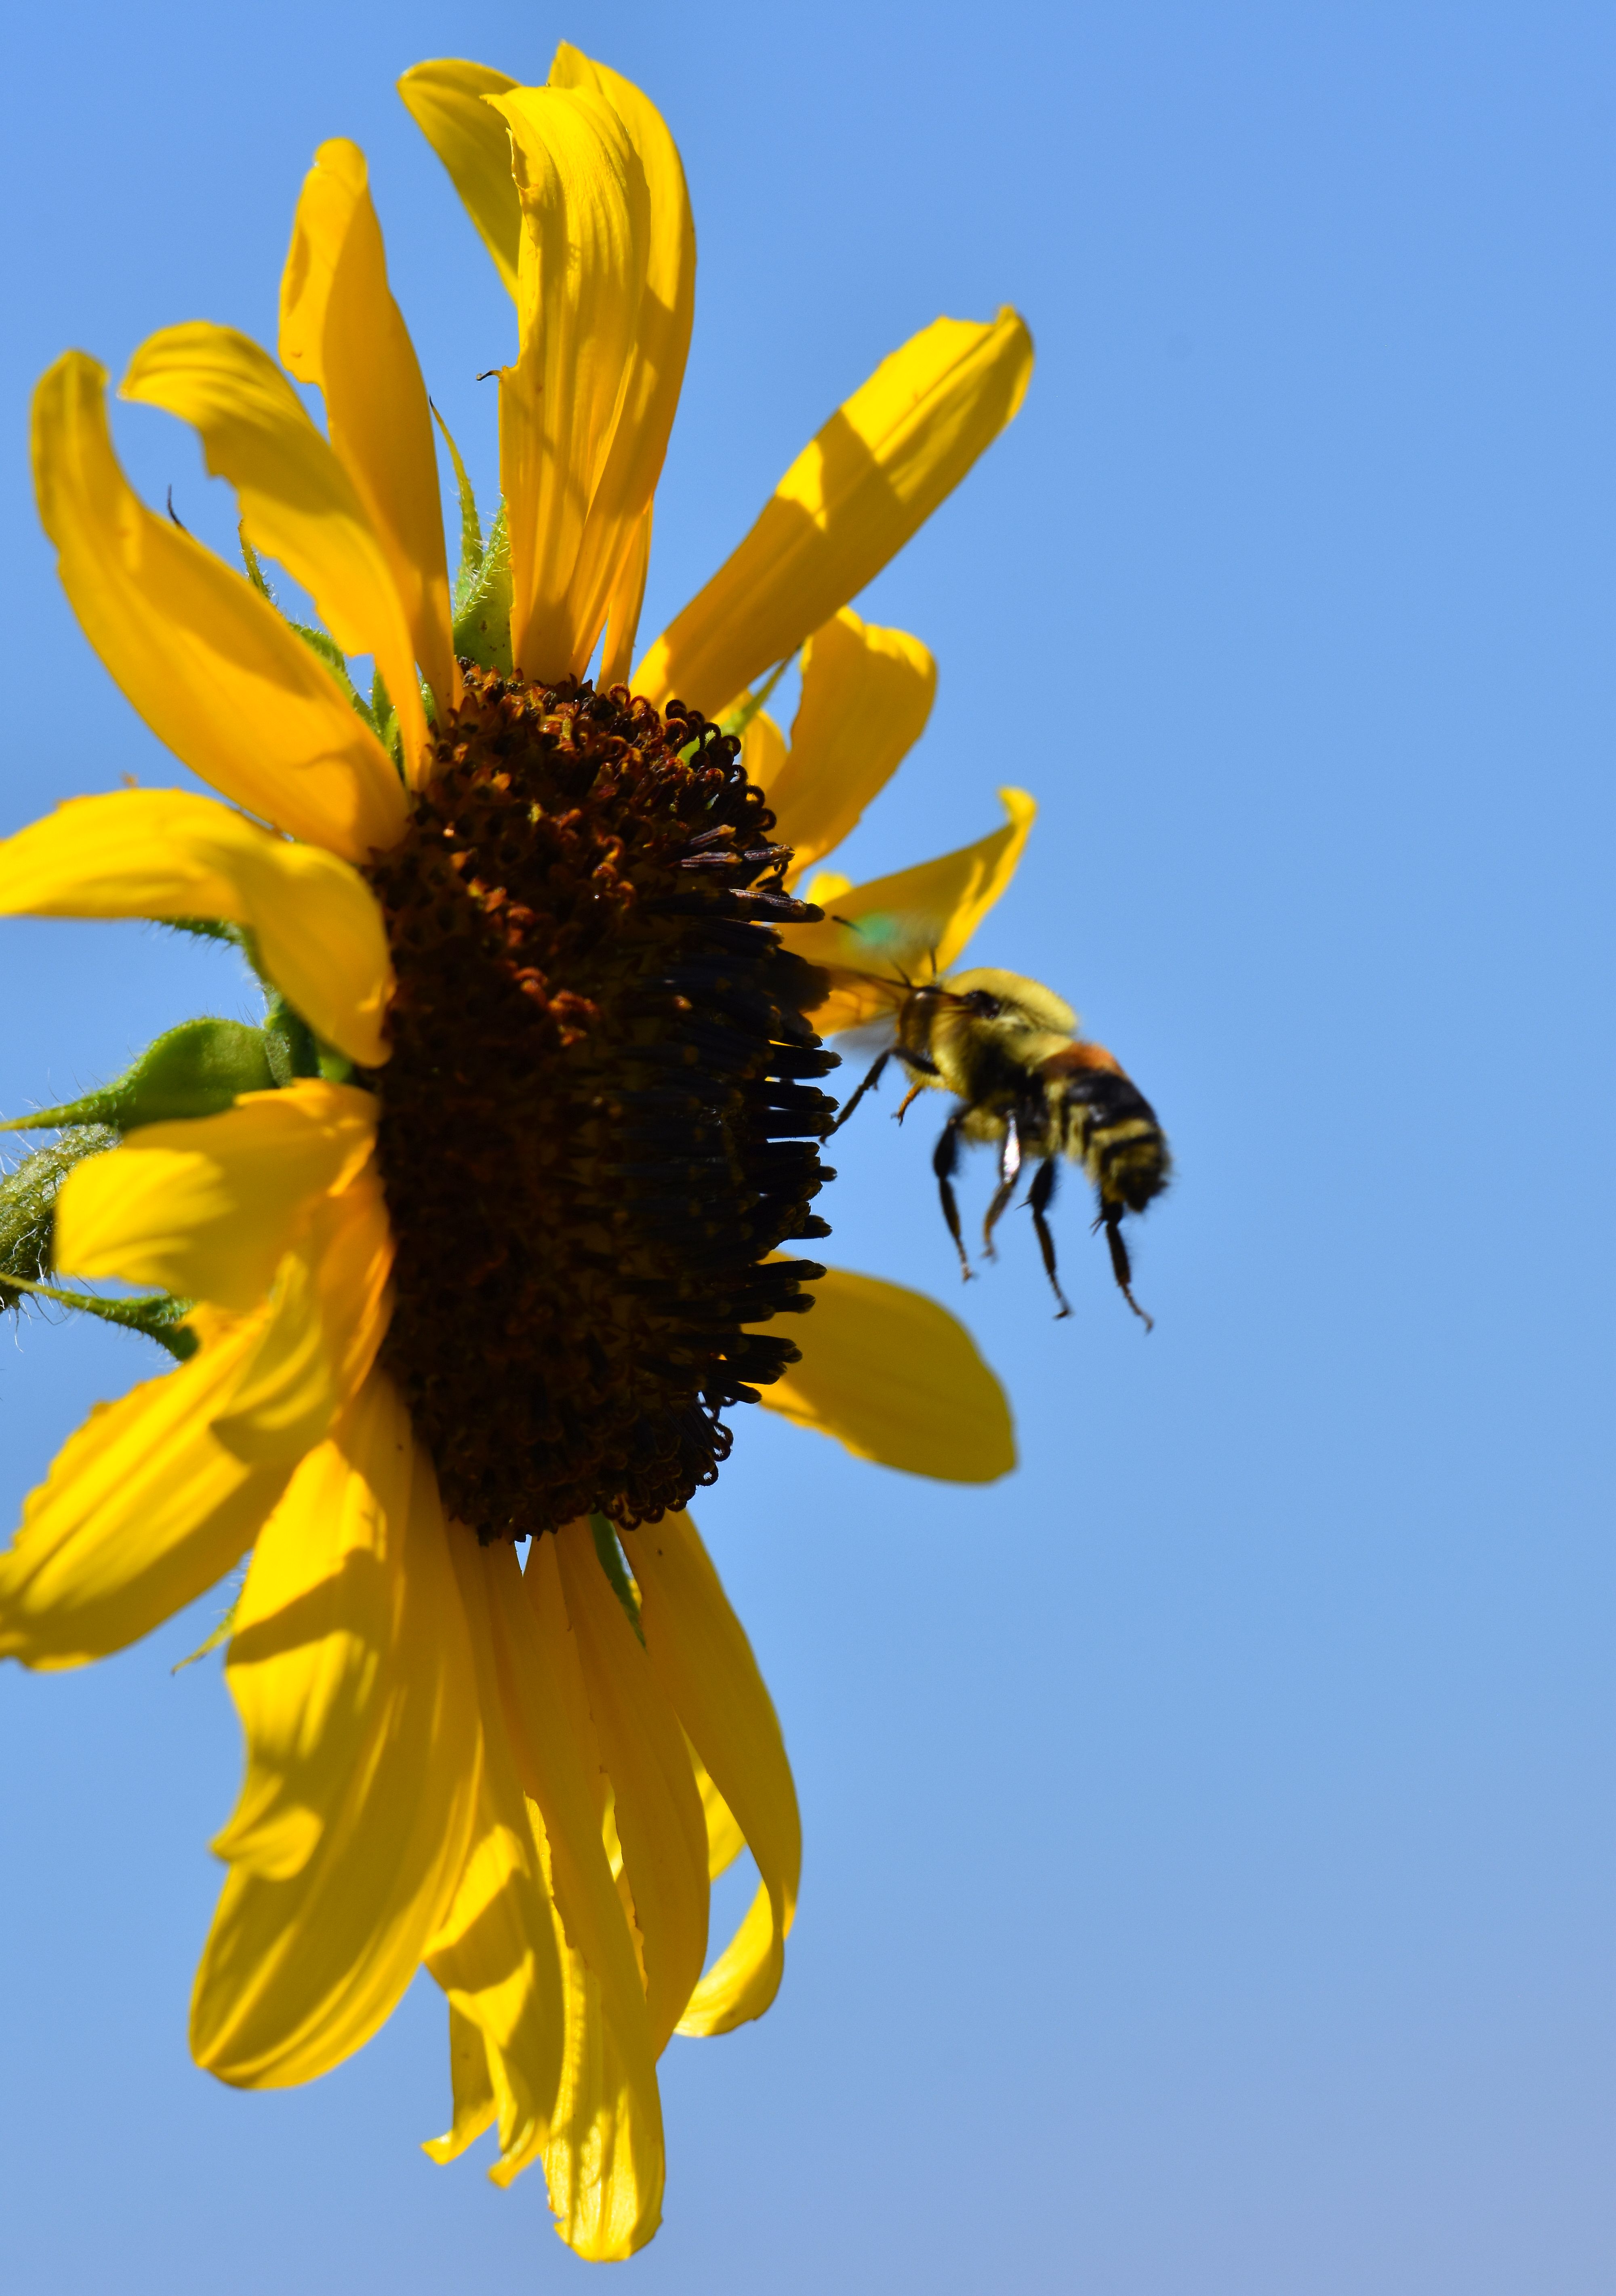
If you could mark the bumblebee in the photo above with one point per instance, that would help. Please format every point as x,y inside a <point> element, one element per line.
<point>1009,1051</point>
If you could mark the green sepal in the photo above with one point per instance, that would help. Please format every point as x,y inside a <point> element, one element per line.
<point>28,1206</point>
<point>612,1562</point>
<point>196,1070</point>
<point>254,565</point>
<point>736,720</point>
<point>471,525</point>
<point>290,1043</point>
<point>155,1314</point>
<point>321,642</point>
<point>221,1633</point>
<point>482,622</point>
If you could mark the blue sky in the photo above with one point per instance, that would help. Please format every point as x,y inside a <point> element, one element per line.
<point>1208,1883</point>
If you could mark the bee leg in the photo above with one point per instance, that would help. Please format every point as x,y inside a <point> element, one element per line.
<point>1039,1197</point>
<point>1121,1268</point>
<point>909,1099</point>
<point>1009,1169</point>
<point>945,1157</point>
<point>872,1079</point>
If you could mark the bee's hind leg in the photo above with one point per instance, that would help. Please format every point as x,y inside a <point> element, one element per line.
<point>1039,1197</point>
<point>869,1083</point>
<point>945,1158</point>
<point>1010,1171</point>
<point>1110,1219</point>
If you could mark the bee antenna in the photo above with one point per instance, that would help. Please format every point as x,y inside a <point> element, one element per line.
<point>848,925</point>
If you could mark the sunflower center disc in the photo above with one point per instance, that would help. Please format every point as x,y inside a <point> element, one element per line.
<point>598,1119</point>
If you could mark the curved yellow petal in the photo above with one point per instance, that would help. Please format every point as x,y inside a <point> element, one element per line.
<point>496,1954</point>
<point>866,695</point>
<point>474,2106</point>
<point>609,586</point>
<point>603,2158</point>
<point>916,922</point>
<point>623,610</point>
<point>895,1377</point>
<point>849,502</point>
<point>168,853</point>
<point>144,1509</point>
<point>341,329</point>
<point>212,669</point>
<point>558,1755</point>
<point>725,1838</point>
<point>206,1206</point>
<point>298,503</point>
<point>699,1652</point>
<point>445,98</point>
<point>351,1669</point>
<point>604,300</point>
<point>657,1808</point>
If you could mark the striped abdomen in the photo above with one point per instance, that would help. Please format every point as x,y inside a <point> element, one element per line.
<point>1107,1126</point>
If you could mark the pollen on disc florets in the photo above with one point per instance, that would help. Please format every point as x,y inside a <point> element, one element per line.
<point>599,1118</point>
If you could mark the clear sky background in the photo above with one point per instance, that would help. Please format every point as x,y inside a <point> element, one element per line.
<point>1208,1883</point>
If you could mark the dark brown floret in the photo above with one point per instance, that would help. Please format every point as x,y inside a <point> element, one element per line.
<point>599,1118</point>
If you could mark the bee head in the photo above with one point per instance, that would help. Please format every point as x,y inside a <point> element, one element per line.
<point>1013,1000</point>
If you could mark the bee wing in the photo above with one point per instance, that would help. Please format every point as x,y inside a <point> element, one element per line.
<point>880,940</point>
<point>864,1006</point>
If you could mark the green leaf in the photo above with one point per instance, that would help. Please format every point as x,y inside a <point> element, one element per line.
<point>196,1070</point>
<point>482,624</point>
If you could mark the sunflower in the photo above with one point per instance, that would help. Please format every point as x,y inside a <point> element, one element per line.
<point>466,1252</point>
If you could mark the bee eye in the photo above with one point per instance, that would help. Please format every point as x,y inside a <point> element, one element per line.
<point>980,1002</point>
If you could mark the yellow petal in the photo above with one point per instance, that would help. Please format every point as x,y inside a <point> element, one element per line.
<point>605,295</point>
<point>208,663</point>
<point>206,1206</point>
<point>351,1669</point>
<point>496,1954</point>
<point>341,329</point>
<point>866,695</point>
<point>763,752</point>
<point>916,923</point>
<point>657,1810</point>
<point>445,100</point>
<point>350,1249</point>
<point>475,2106</point>
<point>166,853</point>
<point>849,502</point>
<point>144,1510</point>
<point>623,611</point>
<point>610,584</point>
<point>725,1838</point>
<point>700,1654</point>
<point>319,1351</point>
<point>895,1377</point>
<point>603,2161</point>
<point>558,1756</point>
<point>298,503</point>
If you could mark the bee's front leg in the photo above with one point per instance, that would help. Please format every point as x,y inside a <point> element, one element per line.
<point>945,1160</point>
